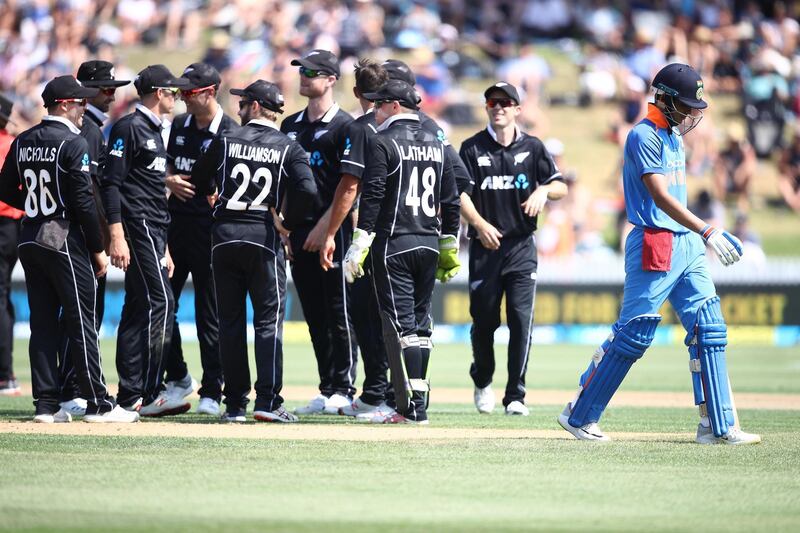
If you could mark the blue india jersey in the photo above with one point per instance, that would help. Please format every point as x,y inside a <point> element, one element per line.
<point>652,148</point>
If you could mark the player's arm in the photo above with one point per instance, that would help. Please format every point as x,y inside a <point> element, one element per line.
<point>459,169</point>
<point>488,235</point>
<point>118,165</point>
<point>449,205</point>
<point>10,184</point>
<point>343,201</point>
<point>550,185</point>
<point>302,189</point>
<point>727,247</point>
<point>76,163</point>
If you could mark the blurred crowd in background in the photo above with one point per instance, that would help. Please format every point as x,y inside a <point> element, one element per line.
<point>743,48</point>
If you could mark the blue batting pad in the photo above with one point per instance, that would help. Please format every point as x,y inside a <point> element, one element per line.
<point>707,344</point>
<point>628,345</point>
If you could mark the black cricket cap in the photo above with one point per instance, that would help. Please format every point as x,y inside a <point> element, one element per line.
<point>64,88</point>
<point>504,87</point>
<point>396,91</point>
<point>5,108</point>
<point>682,82</point>
<point>267,95</point>
<point>97,73</point>
<point>322,60</point>
<point>398,70</point>
<point>156,77</point>
<point>201,75</point>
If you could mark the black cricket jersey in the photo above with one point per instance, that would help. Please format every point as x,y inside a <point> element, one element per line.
<point>407,183</point>
<point>92,131</point>
<point>47,174</point>
<point>354,149</point>
<point>459,169</point>
<point>254,167</point>
<point>323,142</point>
<point>503,177</point>
<point>186,143</point>
<point>133,184</point>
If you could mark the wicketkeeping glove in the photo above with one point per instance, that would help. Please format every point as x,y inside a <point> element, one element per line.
<point>356,254</point>
<point>448,258</point>
<point>727,247</point>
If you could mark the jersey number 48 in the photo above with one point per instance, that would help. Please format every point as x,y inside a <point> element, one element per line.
<point>426,201</point>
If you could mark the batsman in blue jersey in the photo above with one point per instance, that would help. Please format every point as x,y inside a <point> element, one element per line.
<point>665,259</point>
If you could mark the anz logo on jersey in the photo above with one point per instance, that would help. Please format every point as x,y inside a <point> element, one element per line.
<point>506,182</point>
<point>347,146</point>
<point>184,164</point>
<point>85,163</point>
<point>117,148</point>
<point>315,159</point>
<point>159,164</point>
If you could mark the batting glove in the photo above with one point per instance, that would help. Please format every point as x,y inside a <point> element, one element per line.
<point>356,254</point>
<point>449,264</point>
<point>727,247</point>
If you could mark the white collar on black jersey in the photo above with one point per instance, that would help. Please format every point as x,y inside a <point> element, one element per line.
<point>213,128</point>
<point>72,127</point>
<point>262,122</point>
<point>394,118</point>
<point>493,134</point>
<point>99,115</point>
<point>155,119</point>
<point>327,117</point>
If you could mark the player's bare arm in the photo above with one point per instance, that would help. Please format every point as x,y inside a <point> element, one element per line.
<point>180,186</point>
<point>535,203</point>
<point>343,200</point>
<point>487,234</point>
<point>118,249</point>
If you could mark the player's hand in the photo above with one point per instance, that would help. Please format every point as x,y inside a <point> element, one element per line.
<point>180,186</point>
<point>316,237</point>
<point>449,265</point>
<point>727,247</point>
<point>277,221</point>
<point>100,260</point>
<point>535,202</point>
<point>326,253</point>
<point>353,263</point>
<point>170,264</point>
<point>287,246</point>
<point>489,236</point>
<point>212,199</point>
<point>119,252</point>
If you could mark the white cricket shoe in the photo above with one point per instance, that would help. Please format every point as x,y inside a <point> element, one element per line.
<point>358,407</point>
<point>60,417</point>
<point>484,399</point>
<point>165,405</point>
<point>517,408</point>
<point>117,415</point>
<point>230,418</point>
<point>180,389</point>
<point>336,402</point>
<point>590,431</point>
<point>75,407</point>
<point>278,415</point>
<point>208,406</point>
<point>735,436</point>
<point>315,406</point>
<point>378,416</point>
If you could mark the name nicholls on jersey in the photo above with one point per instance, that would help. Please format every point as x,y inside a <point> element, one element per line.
<point>260,154</point>
<point>34,154</point>
<point>421,153</point>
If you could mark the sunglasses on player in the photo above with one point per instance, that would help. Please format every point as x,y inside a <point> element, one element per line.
<point>312,73</point>
<point>502,102</point>
<point>107,91</point>
<point>188,93</point>
<point>379,103</point>
<point>244,103</point>
<point>171,90</point>
<point>79,101</point>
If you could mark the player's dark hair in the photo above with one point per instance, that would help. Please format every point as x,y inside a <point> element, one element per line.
<point>370,76</point>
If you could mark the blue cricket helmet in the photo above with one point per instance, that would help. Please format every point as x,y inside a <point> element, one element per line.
<point>683,83</point>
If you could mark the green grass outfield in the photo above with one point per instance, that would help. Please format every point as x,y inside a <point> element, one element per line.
<point>653,477</point>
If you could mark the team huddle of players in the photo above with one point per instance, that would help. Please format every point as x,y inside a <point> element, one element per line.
<point>366,212</point>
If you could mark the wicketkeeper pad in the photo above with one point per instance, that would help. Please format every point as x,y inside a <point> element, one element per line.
<point>610,368</point>
<point>707,342</point>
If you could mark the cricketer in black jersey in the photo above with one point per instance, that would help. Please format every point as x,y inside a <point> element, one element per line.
<point>258,172</point>
<point>189,239</point>
<point>408,200</point>
<point>47,173</point>
<point>512,176</point>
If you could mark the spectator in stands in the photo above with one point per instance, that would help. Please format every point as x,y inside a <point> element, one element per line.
<point>709,209</point>
<point>735,168</point>
<point>789,167</point>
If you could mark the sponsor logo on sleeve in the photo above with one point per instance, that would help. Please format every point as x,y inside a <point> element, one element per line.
<point>117,148</point>
<point>85,163</point>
